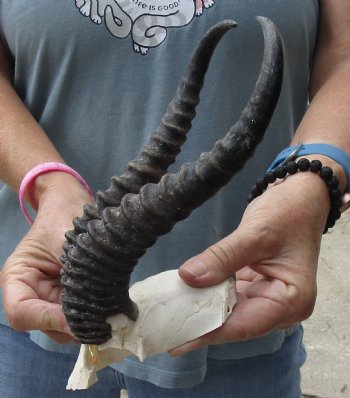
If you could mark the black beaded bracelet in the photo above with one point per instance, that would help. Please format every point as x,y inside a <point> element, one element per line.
<point>303,164</point>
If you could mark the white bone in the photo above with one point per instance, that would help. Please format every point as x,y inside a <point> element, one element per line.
<point>171,313</point>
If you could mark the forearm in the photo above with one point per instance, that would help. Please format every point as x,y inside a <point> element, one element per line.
<point>328,118</point>
<point>23,143</point>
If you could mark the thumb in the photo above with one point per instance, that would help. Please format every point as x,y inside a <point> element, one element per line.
<point>221,260</point>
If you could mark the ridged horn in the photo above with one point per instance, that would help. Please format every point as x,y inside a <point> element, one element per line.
<point>165,142</point>
<point>97,273</point>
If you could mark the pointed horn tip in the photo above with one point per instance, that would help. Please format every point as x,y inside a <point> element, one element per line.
<point>222,26</point>
<point>227,24</point>
<point>270,30</point>
<point>266,22</point>
<point>262,19</point>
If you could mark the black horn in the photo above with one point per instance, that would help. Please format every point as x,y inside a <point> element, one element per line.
<point>165,142</point>
<point>98,266</point>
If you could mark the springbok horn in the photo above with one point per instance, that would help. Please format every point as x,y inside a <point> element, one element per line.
<point>96,276</point>
<point>166,141</point>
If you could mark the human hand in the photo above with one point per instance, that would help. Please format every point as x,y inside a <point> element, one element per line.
<point>30,278</point>
<point>274,252</point>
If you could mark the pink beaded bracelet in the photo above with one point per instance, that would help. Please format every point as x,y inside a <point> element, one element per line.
<point>41,169</point>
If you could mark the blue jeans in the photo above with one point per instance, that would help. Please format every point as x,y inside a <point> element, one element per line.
<point>28,371</point>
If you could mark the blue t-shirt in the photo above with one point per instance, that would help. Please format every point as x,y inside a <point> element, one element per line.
<point>97,75</point>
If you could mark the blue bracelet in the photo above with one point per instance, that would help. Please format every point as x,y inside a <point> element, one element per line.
<point>330,151</point>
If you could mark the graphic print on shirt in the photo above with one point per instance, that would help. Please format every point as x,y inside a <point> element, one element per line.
<point>146,21</point>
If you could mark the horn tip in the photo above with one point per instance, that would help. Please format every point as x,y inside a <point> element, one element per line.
<point>264,21</point>
<point>228,23</point>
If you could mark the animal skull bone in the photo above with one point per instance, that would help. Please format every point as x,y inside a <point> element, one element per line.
<point>171,313</point>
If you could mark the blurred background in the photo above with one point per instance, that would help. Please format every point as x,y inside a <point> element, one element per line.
<point>326,373</point>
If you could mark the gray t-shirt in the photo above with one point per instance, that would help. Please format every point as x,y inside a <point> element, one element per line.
<point>97,75</point>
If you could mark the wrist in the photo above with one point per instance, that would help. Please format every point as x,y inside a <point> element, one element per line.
<point>51,180</point>
<point>304,170</point>
<point>332,155</point>
<point>310,194</point>
<point>338,170</point>
<point>55,184</point>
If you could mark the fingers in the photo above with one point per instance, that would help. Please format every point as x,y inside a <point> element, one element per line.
<point>221,260</point>
<point>250,318</point>
<point>26,299</point>
<point>61,338</point>
<point>35,314</point>
<point>263,306</point>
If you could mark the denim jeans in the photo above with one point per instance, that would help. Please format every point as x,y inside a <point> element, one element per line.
<point>28,371</point>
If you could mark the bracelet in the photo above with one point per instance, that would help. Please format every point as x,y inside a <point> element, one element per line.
<point>41,169</point>
<point>303,164</point>
<point>342,158</point>
<point>339,156</point>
